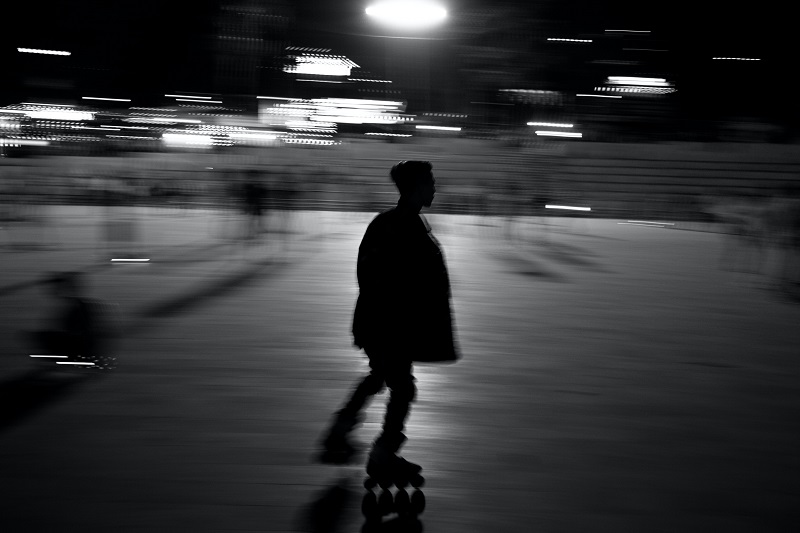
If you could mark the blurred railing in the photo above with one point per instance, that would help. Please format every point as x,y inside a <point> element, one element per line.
<point>473,176</point>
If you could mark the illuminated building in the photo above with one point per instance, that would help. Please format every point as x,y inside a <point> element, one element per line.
<point>248,35</point>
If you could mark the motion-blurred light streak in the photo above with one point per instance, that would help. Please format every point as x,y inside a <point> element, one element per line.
<point>106,99</point>
<point>651,222</point>
<point>636,80</point>
<point>545,133</point>
<point>44,52</point>
<point>598,95</point>
<point>567,207</point>
<point>441,128</point>
<point>550,124</point>
<point>199,101</point>
<point>188,96</point>
<point>638,224</point>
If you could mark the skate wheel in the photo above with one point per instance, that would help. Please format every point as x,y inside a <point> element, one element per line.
<point>370,483</point>
<point>385,483</point>
<point>402,503</point>
<point>417,502</point>
<point>385,502</point>
<point>369,505</point>
<point>417,481</point>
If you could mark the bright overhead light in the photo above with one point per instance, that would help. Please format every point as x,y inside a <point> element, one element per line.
<point>407,14</point>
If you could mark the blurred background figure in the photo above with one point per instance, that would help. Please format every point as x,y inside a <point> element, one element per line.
<point>254,200</point>
<point>73,327</point>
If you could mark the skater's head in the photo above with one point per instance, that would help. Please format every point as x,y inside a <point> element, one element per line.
<point>414,180</point>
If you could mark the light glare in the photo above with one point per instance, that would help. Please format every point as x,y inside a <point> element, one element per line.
<point>408,14</point>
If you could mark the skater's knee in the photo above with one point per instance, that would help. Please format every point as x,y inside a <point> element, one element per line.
<point>405,391</point>
<point>373,384</point>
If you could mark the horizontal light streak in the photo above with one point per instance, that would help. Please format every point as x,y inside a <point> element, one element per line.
<point>129,260</point>
<point>23,142</point>
<point>74,363</point>
<point>639,224</point>
<point>569,40</point>
<point>545,133</point>
<point>598,95</point>
<point>442,128</point>
<point>188,96</point>
<point>567,207</point>
<point>45,52</point>
<point>649,222</point>
<point>738,58</point>
<point>629,31</point>
<point>199,101</point>
<point>550,124</point>
<point>637,80</point>
<point>106,99</point>
<point>49,356</point>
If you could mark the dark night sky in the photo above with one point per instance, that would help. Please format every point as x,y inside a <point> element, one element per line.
<point>155,45</point>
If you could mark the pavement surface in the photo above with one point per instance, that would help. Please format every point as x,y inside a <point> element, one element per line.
<point>614,378</point>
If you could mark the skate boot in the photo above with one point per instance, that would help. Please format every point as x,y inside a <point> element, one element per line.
<point>336,446</point>
<point>385,469</point>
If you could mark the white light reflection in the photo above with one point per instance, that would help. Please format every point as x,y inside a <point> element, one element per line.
<point>442,128</point>
<point>544,133</point>
<point>567,207</point>
<point>107,99</point>
<point>45,52</point>
<point>550,124</point>
<point>407,14</point>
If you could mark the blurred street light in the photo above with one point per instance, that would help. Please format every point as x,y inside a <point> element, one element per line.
<point>407,14</point>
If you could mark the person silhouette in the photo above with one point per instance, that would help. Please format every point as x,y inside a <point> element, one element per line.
<point>73,330</point>
<point>402,316</point>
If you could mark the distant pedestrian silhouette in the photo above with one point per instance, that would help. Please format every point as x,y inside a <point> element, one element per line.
<point>72,331</point>
<point>402,316</point>
<point>253,198</point>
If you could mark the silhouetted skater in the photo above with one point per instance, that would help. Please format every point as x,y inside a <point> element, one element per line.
<point>73,328</point>
<point>402,316</point>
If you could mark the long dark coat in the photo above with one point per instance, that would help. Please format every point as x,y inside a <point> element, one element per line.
<point>403,306</point>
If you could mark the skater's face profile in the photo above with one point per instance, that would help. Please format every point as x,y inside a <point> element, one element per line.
<point>428,187</point>
<point>425,190</point>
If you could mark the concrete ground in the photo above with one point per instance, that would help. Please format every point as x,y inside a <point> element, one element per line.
<point>614,378</point>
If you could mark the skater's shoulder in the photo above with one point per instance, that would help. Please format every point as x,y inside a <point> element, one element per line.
<point>385,218</point>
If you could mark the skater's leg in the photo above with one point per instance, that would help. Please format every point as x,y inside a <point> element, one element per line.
<point>403,391</point>
<point>384,464</point>
<point>368,387</point>
<point>336,446</point>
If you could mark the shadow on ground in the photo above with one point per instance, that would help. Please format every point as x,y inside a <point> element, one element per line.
<point>25,395</point>
<point>572,255</point>
<point>328,511</point>
<point>213,289</point>
<point>334,510</point>
<point>528,267</point>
